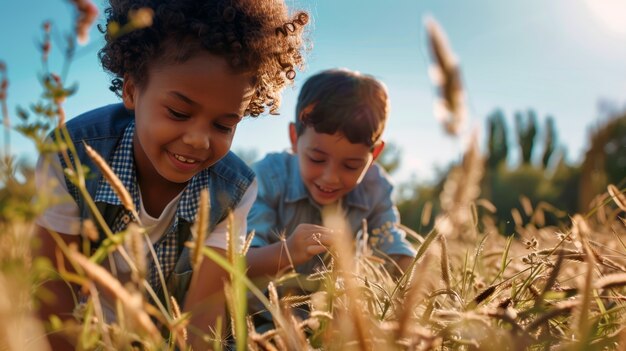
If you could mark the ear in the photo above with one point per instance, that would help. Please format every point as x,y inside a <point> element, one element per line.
<point>293,137</point>
<point>378,149</point>
<point>128,92</point>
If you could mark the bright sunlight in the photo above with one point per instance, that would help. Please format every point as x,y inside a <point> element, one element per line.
<point>611,12</point>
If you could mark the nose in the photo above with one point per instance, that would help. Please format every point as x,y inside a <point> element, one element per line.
<point>198,139</point>
<point>330,175</point>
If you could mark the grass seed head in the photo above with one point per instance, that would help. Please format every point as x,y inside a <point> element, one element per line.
<point>617,196</point>
<point>115,182</point>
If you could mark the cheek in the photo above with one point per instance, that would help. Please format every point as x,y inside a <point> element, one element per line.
<point>351,179</point>
<point>145,133</point>
<point>307,171</point>
<point>147,126</point>
<point>359,176</point>
<point>220,145</point>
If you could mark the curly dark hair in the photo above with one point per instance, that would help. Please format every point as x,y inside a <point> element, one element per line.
<point>253,35</point>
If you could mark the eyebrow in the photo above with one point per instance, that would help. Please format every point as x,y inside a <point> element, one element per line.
<point>325,153</point>
<point>182,97</point>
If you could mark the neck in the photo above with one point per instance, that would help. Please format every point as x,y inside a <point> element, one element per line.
<point>156,195</point>
<point>156,191</point>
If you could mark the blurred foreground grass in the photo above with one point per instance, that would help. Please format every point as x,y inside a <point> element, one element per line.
<point>549,286</point>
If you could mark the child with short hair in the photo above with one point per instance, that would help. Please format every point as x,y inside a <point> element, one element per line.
<point>185,82</point>
<point>340,117</point>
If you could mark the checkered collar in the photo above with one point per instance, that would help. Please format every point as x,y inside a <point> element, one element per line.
<point>123,165</point>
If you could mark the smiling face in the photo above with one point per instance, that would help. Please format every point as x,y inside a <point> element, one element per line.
<point>330,165</point>
<point>186,115</point>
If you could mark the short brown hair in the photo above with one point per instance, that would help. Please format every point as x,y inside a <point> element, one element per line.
<point>340,100</point>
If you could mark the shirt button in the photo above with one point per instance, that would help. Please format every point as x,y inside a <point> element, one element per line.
<point>126,219</point>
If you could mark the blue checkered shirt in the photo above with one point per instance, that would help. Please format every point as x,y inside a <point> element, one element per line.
<point>123,165</point>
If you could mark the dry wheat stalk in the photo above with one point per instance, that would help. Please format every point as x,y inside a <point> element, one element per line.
<point>178,326</point>
<point>517,218</point>
<point>526,205</point>
<point>296,300</point>
<point>247,243</point>
<point>445,264</point>
<point>426,213</point>
<point>199,229</point>
<point>19,327</point>
<point>137,252</point>
<point>487,205</point>
<point>412,297</point>
<point>460,190</point>
<point>581,227</point>
<point>611,281</point>
<point>334,217</point>
<point>563,307</point>
<point>133,303</point>
<point>114,181</point>
<point>232,241</point>
<point>618,196</point>
<point>485,294</point>
<point>446,75</point>
<point>89,230</point>
<point>552,278</point>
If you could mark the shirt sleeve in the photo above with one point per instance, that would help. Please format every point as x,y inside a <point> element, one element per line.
<point>385,234</point>
<point>218,237</point>
<point>263,217</point>
<point>63,215</point>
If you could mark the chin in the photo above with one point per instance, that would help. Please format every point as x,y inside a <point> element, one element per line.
<point>326,200</point>
<point>176,178</point>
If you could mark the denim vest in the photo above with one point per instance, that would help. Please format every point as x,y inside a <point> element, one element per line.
<point>102,129</point>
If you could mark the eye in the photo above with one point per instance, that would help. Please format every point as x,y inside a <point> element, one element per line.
<point>316,160</point>
<point>224,128</point>
<point>179,116</point>
<point>353,165</point>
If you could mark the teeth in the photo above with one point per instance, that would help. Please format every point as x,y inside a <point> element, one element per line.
<point>183,159</point>
<point>326,190</point>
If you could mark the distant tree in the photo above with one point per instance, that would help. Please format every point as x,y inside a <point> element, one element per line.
<point>497,146</point>
<point>605,160</point>
<point>549,142</point>
<point>504,186</point>
<point>526,127</point>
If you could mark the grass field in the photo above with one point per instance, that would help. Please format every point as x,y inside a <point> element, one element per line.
<point>470,287</point>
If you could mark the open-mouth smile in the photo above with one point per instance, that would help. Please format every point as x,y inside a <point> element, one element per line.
<point>184,159</point>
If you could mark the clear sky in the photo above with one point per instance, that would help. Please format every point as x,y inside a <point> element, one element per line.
<point>560,57</point>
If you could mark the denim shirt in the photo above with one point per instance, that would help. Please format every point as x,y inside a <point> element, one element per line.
<point>109,130</point>
<point>283,203</point>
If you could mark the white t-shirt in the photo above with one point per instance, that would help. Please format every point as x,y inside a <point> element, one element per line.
<point>64,217</point>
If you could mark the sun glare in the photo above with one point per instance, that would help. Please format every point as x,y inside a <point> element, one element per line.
<point>612,13</point>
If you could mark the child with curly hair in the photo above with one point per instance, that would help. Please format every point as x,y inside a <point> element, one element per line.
<point>335,138</point>
<point>185,82</point>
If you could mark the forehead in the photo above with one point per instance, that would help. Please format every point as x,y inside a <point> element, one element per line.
<point>204,78</point>
<point>334,145</point>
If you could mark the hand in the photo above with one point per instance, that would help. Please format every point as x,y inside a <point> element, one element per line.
<point>308,240</point>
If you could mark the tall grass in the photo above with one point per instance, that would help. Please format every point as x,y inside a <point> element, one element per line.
<point>469,287</point>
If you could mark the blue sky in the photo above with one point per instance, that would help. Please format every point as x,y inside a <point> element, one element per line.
<point>559,57</point>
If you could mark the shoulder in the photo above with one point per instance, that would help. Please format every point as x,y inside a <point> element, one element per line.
<point>374,190</point>
<point>275,165</point>
<point>104,122</point>
<point>376,176</point>
<point>233,169</point>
